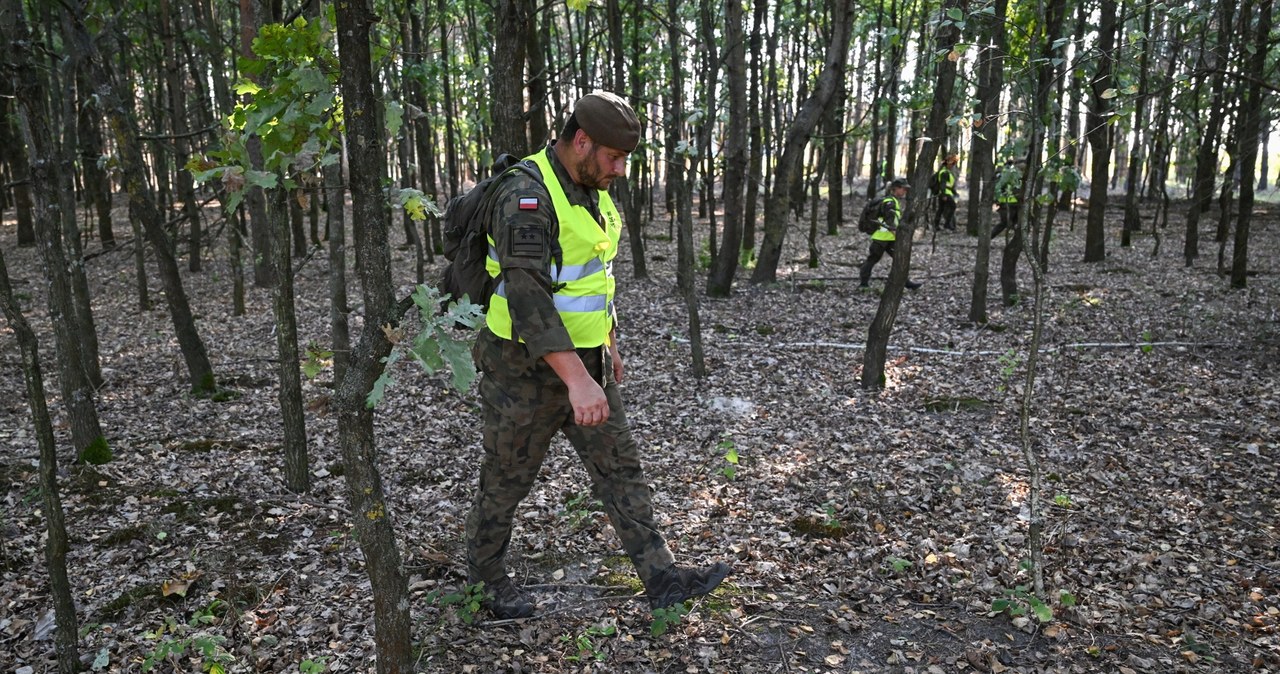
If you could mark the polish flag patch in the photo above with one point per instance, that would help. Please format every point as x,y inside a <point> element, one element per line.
<point>528,203</point>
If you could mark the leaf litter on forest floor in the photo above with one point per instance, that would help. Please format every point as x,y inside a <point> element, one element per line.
<point>1159,458</point>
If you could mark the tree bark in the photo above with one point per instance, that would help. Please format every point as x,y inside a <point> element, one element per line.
<point>1207,153</point>
<point>14,151</point>
<point>297,476</point>
<point>725,265</point>
<point>57,544</point>
<point>33,118</point>
<point>982,160</point>
<point>1252,111</point>
<point>873,375</point>
<point>97,184</point>
<point>1098,131</point>
<point>370,514</point>
<point>778,207</point>
<point>512,20</point>
<point>681,191</point>
<point>170,25</point>
<point>143,205</point>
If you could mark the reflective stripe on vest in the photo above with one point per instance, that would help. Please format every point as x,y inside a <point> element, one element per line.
<point>884,233</point>
<point>585,282</point>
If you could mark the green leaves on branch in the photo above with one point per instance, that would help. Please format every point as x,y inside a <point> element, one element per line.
<point>289,104</point>
<point>434,346</point>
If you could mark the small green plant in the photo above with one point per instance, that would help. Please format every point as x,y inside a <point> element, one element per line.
<point>585,645</point>
<point>313,665</point>
<point>1147,346</point>
<point>1008,362</point>
<point>898,564</point>
<point>829,519</point>
<point>175,638</point>
<point>317,360</point>
<point>580,509</point>
<point>1020,600</point>
<point>730,457</point>
<point>666,618</point>
<point>466,602</point>
<point>704,256</point>
<point>1062,500</point>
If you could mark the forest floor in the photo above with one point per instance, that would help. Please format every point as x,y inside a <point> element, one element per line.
<point>867,533</point>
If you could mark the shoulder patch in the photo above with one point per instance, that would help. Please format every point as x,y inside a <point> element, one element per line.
<point>528,203</point>
<point>530,241</point>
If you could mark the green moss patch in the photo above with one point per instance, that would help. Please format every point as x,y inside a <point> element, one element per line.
<point>813,527</point>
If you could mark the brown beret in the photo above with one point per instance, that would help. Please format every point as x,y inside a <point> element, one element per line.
<point>608,120</point>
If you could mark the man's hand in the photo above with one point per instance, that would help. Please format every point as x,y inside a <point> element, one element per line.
<point>590,406</point>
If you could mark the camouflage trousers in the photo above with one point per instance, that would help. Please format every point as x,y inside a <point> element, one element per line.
<point>525,403</point>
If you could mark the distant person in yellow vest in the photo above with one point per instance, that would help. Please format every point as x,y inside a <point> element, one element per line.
<point>1008,185</point>
<point>549,359</point>
<point>884,239</point>
<point>943,186</point>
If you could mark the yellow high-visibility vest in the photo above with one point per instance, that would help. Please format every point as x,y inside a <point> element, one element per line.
<point>584,279</point>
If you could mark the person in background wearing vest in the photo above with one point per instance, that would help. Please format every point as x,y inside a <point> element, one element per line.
<point>549,360</point>
<point>884,238</point>
<point>945,179</point>
<point>1008,184</point>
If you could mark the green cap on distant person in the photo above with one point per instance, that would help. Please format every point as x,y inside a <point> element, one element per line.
<point>609,120</point>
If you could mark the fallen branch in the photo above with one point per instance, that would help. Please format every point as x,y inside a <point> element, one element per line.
<point>960,352</point>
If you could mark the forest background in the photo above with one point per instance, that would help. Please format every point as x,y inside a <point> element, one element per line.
<point>1079,475</point>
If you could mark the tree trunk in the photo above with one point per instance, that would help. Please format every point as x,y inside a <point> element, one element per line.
<point>1207,154</point>
<point>97,185</point>
<point>171,25</point>
<point>1252,113</point>
<point>833,148</point>
<point>336,228</point>
<point>510,130</point>
<point>873,376</point>
<point>1141,127</point>
<point>15,153</point>
<point>371,518</point>
<point>725,265</point>
<point>297,476</point>
<point>680,188</point>
<point>626,191</point>
<point>255,199</point>
<point>143,205</point>
<point>33,119</point>
<point>778,206</point>
<point>56,545</point>
<point>982,159</point>
<point>755,153</point>
<point>1098,133</point>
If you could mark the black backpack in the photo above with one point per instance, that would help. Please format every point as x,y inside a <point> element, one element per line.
<point>466,245</point>
<point>869,219</point>
<point>935,182</point>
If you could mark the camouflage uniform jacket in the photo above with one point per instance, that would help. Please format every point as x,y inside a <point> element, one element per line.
<point>527,240</point>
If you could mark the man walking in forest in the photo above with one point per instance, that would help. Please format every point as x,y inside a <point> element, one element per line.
<point>884,238</point>
<point>944,187</point>
<point>1008,184</point>
<point>549,356</point>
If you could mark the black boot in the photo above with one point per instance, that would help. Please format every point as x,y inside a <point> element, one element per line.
<point>506,600</point>
<point>677,584</point>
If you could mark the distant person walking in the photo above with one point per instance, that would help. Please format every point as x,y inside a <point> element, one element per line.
<point>884,238</point>
<point>943,186</point>
<point>1008,185</point>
